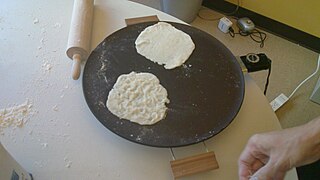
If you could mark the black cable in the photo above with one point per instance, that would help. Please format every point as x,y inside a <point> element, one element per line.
<point>267,82</point>
<point>235,11</point>
<point>231,32</point>
<point>261,37</point>
<point>227,14</point>
<point>255,35</point>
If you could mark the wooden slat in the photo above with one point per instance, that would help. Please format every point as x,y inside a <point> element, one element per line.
<point>194,164</point>
<point>141,20</point>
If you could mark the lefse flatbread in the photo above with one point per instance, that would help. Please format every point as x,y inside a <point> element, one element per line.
<point>139,98</point>
<point>164,44</point>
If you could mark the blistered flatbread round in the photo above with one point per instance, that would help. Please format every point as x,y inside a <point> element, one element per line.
<point>139,98</point>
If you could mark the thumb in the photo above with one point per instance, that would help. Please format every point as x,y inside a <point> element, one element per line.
<point>269,171</point>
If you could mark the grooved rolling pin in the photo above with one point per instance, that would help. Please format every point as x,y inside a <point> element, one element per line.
<point>80,34</point>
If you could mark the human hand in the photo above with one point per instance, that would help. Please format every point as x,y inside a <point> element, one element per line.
<point>271,155</point>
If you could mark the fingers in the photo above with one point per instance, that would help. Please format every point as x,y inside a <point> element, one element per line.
<point>248,154</point>
<point>246,170</point>
<point>245,164</point>
<point>269,171</point>
<point>256,165</point>
<point>279,151</point>
<point>263,173</point>
<point>252,158</point>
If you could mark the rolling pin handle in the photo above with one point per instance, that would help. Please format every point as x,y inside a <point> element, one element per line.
<point>76,67</point>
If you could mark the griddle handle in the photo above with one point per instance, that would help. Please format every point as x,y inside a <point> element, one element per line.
<point>194,164</point>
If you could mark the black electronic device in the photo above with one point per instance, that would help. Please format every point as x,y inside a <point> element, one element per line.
<point>256,62</point>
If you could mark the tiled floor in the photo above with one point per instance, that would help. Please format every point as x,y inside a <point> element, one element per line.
<point>291,64</point>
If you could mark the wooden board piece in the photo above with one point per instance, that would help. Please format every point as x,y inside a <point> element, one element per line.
<point>194,164</point>
<point>137,20</point>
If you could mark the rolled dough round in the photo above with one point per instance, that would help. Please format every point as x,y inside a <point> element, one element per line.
<point>164,44</point>
<point>139,98</point>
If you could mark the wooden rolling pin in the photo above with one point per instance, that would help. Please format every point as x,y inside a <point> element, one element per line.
<point>80,34</point>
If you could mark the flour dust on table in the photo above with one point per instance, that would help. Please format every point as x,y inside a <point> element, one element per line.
<point>164,44</point>
<point>139,98</point>
<point>16,116</point>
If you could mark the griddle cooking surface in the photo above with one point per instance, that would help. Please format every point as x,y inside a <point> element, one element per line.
<point>205,93</point>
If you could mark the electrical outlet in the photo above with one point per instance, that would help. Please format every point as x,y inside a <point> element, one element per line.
<point>278,102</point>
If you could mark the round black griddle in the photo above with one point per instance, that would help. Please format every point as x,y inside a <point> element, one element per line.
<point>205,93</point>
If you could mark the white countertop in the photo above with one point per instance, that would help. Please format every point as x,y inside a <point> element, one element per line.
<point>63,140</point>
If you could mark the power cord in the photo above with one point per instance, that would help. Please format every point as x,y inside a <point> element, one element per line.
<point>255,35</point>
<point>227,14</point>
<point>314,73</point>
<point>282,99</point>
<point>235,11</point>
<point>267,81</point>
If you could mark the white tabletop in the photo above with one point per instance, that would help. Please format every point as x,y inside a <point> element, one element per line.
<point>63,140</point>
